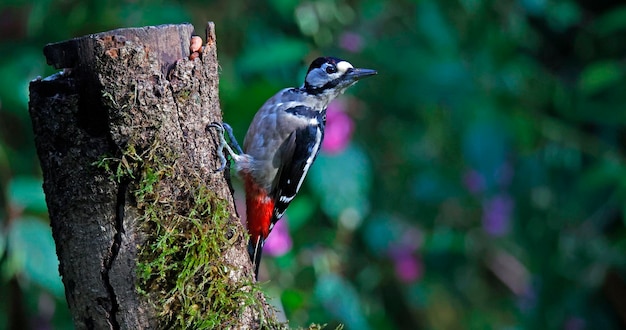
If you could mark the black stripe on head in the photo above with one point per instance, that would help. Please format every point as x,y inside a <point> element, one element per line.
<point>318,62</point>
<point>319,90</point>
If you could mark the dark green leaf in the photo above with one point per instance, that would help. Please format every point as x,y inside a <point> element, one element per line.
<point>31,249</point>
<point>600,75</point>
<point>27,192</point>
<point>340,299</point>
<point>342,181</point>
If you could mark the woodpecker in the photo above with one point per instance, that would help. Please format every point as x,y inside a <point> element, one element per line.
<point>281,144</point>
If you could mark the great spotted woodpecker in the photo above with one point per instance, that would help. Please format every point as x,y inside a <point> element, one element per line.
<point>282,142</point>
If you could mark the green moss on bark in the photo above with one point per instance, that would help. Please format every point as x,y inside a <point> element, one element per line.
<point>179,267</point>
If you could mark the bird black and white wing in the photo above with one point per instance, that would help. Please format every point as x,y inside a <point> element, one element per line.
<point>297,154</point>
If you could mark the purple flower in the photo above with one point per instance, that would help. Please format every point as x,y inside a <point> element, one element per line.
<point>474,181</point>
<point>339,128</point>
<point>411,240</point>
<point>351,42</point>
<point>407,266</point>
<point>575,323</point>
<point>279,241</point>
<point>497,215</point>
<point>527,300</point>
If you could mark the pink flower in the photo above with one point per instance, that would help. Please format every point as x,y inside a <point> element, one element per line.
<point>408,267</point>
<point>351,42</point>
<point>279,241</point>
<point>339,128</point>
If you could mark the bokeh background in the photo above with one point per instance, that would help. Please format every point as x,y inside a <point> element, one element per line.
<point>478,182</point>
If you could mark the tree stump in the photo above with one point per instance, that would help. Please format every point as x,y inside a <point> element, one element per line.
<point>146,231</point>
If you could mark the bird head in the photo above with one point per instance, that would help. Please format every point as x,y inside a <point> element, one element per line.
<point>332,76</point>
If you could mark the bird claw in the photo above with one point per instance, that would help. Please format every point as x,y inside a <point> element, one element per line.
<point>231,136</point>
<point>223,127</point>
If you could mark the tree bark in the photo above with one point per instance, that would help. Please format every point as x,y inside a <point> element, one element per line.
<point>129,177</point>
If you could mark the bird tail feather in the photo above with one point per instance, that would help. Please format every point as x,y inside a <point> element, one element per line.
<point>255,250</point>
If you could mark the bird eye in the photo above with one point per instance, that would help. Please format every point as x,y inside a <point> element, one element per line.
<point>331,69</point>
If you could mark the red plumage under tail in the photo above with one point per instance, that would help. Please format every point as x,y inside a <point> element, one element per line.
<point>259,210</point>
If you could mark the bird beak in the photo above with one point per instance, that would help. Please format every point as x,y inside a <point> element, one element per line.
<point>357,74</point>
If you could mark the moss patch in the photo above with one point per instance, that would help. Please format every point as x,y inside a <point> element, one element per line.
<point>179,267</point>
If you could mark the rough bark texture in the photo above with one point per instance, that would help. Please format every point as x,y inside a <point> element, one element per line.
<point>120,89</point>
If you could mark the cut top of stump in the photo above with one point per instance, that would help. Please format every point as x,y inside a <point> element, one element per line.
<point>172,43</point>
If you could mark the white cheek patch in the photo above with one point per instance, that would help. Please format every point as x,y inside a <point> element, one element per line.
<point>343,66</point>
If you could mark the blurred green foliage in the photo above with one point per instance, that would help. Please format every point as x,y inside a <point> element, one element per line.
<point>483,187</point>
